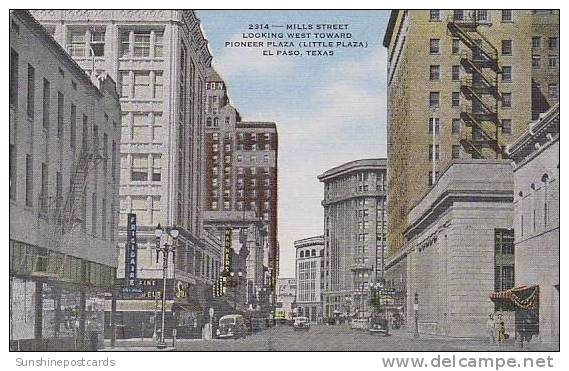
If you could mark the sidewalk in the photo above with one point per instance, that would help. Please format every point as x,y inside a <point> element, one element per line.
<point>138,345</point>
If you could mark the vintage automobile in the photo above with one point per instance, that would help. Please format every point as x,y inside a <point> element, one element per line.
<point>378,325</point>
<point>301,323</point>
<point>232,326</point>
<point>359,324</point>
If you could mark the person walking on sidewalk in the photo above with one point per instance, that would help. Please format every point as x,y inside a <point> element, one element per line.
<point>491,328</point>
<point>502,336</point>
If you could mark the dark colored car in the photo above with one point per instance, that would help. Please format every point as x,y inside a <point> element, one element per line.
<point>378,325</point>
<point>232,326</point>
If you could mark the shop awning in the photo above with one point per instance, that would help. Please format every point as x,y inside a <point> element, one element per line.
<point>524,297</point>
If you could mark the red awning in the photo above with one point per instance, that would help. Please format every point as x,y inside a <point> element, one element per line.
<point>525,297</point>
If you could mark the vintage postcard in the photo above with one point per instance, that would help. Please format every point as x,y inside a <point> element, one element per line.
<point>284,180</point>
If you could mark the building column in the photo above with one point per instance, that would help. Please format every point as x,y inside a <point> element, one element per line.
<point>38,312</point>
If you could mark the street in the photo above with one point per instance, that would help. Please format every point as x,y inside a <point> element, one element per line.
<point>327,338</point>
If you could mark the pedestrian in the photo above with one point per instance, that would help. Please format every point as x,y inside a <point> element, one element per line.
<point>491,328</point>
<point>501,329</point>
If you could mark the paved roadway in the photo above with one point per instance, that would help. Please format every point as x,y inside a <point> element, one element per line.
<point>328,338</point>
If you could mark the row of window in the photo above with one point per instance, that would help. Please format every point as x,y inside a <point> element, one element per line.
<point>240,205</point>
<point>434,99</point>
<point>478,15</point>
<point>241,194</point>
<point>143,167</point>
<point>141,84</point>
<point>435,73</point>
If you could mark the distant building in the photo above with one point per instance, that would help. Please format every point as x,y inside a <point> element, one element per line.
<point>160,60</point>
<point>286,295</point>
<point>461,84</point>
<point>536,221</point>
<point>460,249</point>
<point>64,184</point>
<point>241,185</point>
<point>309,277</point>
<point>355,226</point>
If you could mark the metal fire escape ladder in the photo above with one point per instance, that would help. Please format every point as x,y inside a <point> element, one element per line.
<point>482,114</point>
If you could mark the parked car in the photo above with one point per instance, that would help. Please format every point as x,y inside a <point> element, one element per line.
<point>232,326</point>
<point>301,323</point>
<point>378,325</point>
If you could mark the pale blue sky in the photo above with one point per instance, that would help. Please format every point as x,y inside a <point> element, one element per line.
<point>328,110</point>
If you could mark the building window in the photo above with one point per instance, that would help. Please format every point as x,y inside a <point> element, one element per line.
<point>437,153</point>
<point>503,247</point>
<point>553,61</point>
<point>142,44</point>
<point>434,99</point>
<point>506,47</point>
<point>124,81</point>
<point>44,185</point>
<point>156,168</point>
<point>14,69</point>
<point>507,74</point>
<point>455,151</point>
<point>436,122</point>
<point>76,46</point>
<point>506,100</point>
<point>29,181</point>
<point>158,44</point>
<point>60,105</point>
<point>12,171</point>
<point>458,15</point>
<point>139,170</point>
<point>158,85</point>
<point>455,73</point>
<point>431,177</point>
<point>98,43</point>
<point>31,91</point>
<point>536,61</point>
<point>94,211</point>
<point>456,126</point>
<point>141,85</point>
<point>536,42</point>
<point>434,46</point>
<point>435,15</point>
<point>125,44</point>
<point>455,46</point>
<point>507,15</point>
<point>434,73</point>
<point>552,43</point>
<point>46,101</point>
<point>553,90</point>
<point>455,99</point>
<point>506,126</point>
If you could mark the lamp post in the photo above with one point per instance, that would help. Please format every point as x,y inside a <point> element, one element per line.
<point>416,307</point>
<point>165,246</point>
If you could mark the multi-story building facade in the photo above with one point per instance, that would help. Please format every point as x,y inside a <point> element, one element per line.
<point>241,181</point>
<point>460,250</point>
<point>465,83</point>
<point>64,184</point>
<point>309,277</point>
<point>285,298</point>
<point>536,222</point>
<point>160,60</point>
<point>355,226</point>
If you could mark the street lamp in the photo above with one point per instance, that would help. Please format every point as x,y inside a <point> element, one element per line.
<point>165,246</point>
<point>416,307</point>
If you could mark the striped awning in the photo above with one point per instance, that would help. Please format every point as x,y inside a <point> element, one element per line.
<point>525,297</point>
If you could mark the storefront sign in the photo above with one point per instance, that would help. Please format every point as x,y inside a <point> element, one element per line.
<point>131,251</point>
<point>227,251</point>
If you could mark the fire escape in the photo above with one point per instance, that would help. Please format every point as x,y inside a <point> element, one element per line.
<point>63,214</point>
<point>480,87</point>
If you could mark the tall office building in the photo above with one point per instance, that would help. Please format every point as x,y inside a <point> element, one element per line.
<point>64,184</point>
<point>160,60</point>
<point>241,182</point>
<point>355,226</point>
<point>309,277</point>
<point>461,84</point>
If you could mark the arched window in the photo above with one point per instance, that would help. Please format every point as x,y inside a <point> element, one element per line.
<point>208,122</point>
<point>216,122</point>
<point>302,254</point>
<point>313,252</point>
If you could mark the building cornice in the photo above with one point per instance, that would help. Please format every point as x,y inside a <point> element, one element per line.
<point>353,166</point>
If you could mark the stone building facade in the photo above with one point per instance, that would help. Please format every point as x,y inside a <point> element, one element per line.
<point>159,59</point>
<point>309,277</point>
<point>64,184</point>
<point>355,226</point>
<point>460,234</point>
<point>536,218</point>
